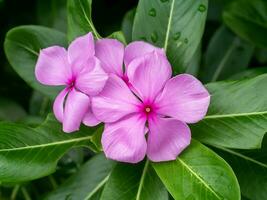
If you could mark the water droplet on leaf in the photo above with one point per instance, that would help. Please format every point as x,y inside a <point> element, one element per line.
<point>202,8</point>
<point>152,12</point>
<point>154,37</point>
<point>177,35</point>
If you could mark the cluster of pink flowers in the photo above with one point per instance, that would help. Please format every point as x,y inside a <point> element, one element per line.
<point>131,90</point>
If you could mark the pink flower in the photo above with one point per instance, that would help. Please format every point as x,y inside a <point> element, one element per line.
<point>151,103</point>
<point>80,71</point>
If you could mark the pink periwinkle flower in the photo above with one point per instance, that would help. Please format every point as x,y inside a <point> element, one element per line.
<point>80,71</point>
<point>145,111</point>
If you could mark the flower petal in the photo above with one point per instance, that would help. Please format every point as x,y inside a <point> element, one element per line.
<point>110,52</point>
<point>82,48</point>
<point>184,98</point>
<point>90,119</point>
<point>148,74</point>
<point>77,104</point>
<point>58,106</point>
<point>115,101</point>
<point>137,49</point>
<point>167,138</point>
<point>92,78</point>
<point>124,140</point>
<point>52,67</point>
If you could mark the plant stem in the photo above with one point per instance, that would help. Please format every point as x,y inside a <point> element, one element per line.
<point>14,192</point>
<point>25,194</point>
<point>53,181</point>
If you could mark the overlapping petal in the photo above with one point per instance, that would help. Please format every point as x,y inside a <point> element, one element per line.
<point>148,74</point>
<point>115,101</point>
<point>91,78</point>
<point>184,98</point>
<point>52,67</point>
<point>167,138</point>
<point>110,52</point>
<point>81,49</point>
<point>76,106</point>
<point>90,119</point>
<point>139,49</point>
<point>58,106</point>
<point>125,140</point>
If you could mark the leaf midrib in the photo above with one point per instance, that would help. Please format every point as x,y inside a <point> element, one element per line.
<point>138,195</point>
<point>199,178</point>
<point>235,115</point>
<point>98,186</point>
<point>169,26</point>
<point>223,61</point>
<point>241,156</point>
<point>49,144</point>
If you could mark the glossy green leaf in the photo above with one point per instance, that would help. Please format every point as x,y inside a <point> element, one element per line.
<point>226,55</point>
<point>237,116</point>
<point>22,46</point>
<point>29,153</point>
<point>250,169</point>
<point>199,174</point>
<point>175,25</point>
<point>127,24</point>
<point>79,19</point>
<point>87,183</point>
<point>139,182</point>
<point>248,19</point>
<point>249,73</point>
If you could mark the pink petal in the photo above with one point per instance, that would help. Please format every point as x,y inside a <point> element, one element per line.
<point>81,49</point>
<point>77,104</point>
<point>167,138</point>
<point>58,106</point>
<point>184,98</point>
<point>125,140</point>
<point>148,74</point>
<point>52,67</point>
<point>90,119</point>
<point>92,78</point>
<point>110,52</point>
<point>137,49</point>
<point>115,101</point>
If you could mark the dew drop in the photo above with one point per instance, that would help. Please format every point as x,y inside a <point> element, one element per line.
<point>185,40</point>
<point>154,37</point>
<point>163,1</point>
<point>176,36</point>
<point>152,12</point>
<point>202,8</point>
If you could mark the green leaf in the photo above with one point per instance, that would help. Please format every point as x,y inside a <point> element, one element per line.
<point>29,153</point>
<point>250,170</point>
<point>10,110</point>
<point>118,35</point>
<point>79,19</point>
<point>248,19</point>
<point>232,56</point>
<point>22,46</point>
<point>237,116</point>
<point>87,182</point>
<point>250,73</point>
<point>127,24</point>
<point>199,174</point>
<point>175,25</point>
<point>139,182</point>
<point>52,14</point>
